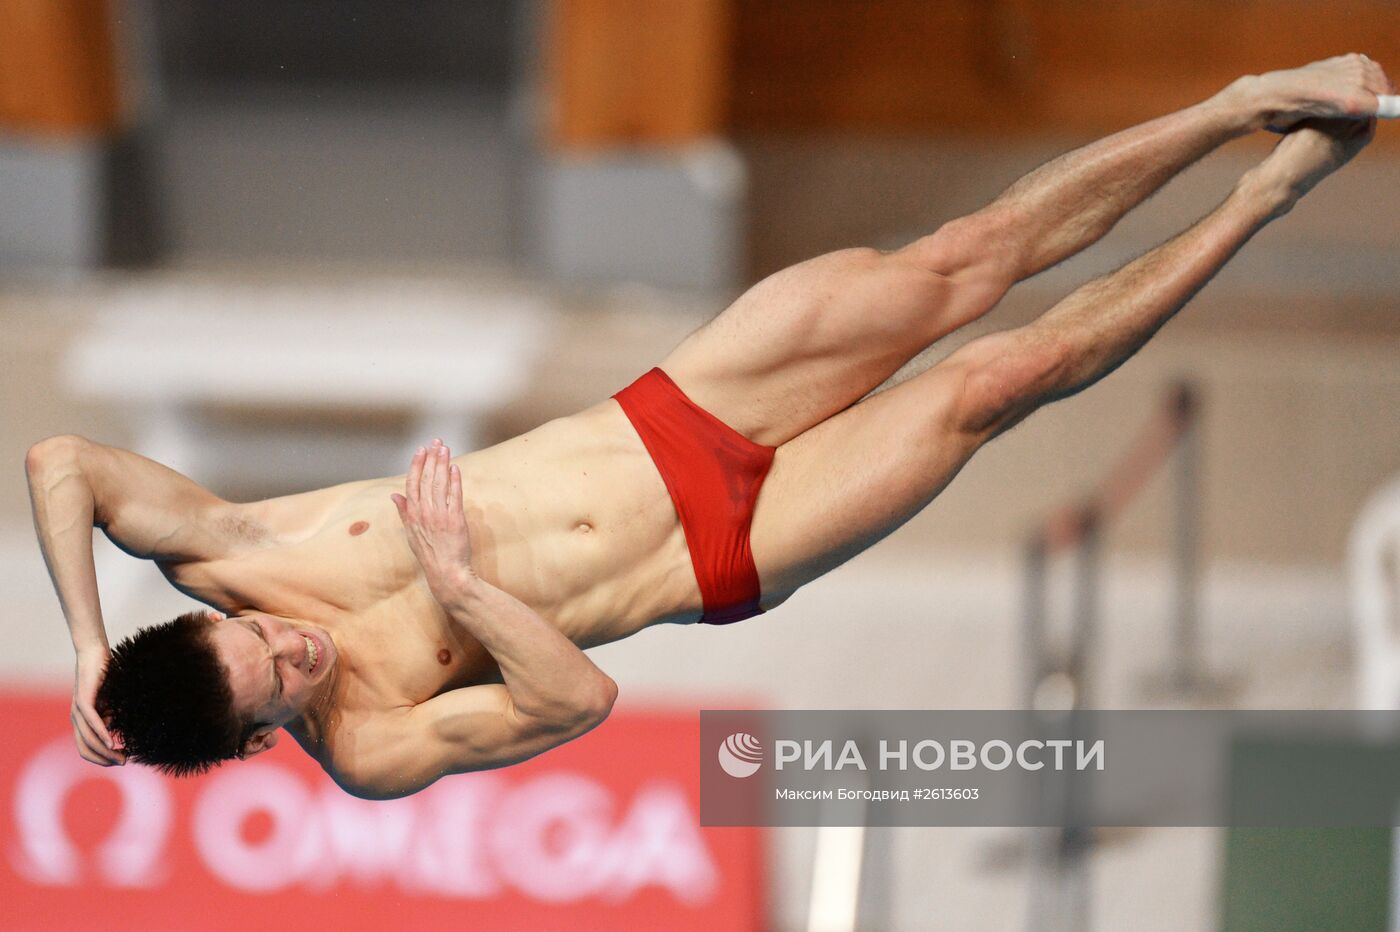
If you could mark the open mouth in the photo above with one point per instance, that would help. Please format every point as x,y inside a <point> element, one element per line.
<point>313,653</point>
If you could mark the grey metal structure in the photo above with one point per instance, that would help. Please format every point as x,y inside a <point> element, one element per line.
<point>1062,677</point>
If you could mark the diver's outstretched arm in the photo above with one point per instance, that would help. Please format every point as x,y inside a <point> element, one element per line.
<point>147,510</point>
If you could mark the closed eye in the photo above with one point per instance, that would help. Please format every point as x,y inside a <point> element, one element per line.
<point>276,678</point>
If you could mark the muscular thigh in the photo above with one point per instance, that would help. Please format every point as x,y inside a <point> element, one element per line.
<point>808,341</point>
<point>844,484</point>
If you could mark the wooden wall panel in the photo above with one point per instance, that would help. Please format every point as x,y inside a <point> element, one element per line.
<point>648,72</point>
<point>58,70</point>
<point>889,65</point>
<point>1011,66</point>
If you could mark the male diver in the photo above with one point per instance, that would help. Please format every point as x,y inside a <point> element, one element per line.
<point>406,628</point>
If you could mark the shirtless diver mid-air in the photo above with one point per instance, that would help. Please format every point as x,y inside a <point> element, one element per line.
<point>406,628</point>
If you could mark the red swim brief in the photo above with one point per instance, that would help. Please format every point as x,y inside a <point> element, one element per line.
<point>713,473</point>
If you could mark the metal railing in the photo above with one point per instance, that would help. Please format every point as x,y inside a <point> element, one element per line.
<point>1063,677</point>
<point>1077,530</point>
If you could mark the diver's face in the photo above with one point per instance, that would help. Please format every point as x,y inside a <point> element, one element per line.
<point>275,665</point>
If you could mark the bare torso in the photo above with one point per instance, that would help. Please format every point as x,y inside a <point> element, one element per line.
<point>571,518</point>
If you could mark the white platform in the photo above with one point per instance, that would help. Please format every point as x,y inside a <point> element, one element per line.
<point>448,353</point>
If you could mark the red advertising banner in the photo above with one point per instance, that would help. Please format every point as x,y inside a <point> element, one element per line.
<point>602,833</point>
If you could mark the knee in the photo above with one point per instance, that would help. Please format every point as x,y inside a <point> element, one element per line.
<point>1004,377</point>
<point>970,255</point>
<point>974,249</point>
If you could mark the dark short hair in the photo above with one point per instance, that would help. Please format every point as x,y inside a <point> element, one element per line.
<point>167,694</point>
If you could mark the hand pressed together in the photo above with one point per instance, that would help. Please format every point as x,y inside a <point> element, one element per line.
<point>434,520</point>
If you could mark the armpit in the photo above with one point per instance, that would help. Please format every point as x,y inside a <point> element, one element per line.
<point>238,526</point>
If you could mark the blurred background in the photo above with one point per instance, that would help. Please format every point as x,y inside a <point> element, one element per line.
<point>254,240</point>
